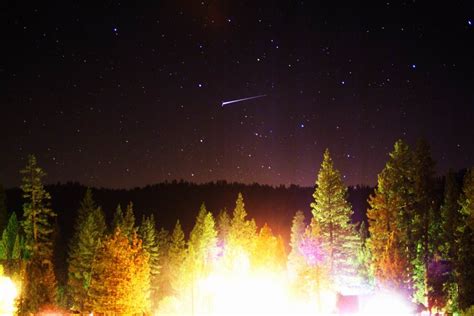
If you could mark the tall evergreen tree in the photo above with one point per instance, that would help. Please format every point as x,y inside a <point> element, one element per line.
<point>38,223</point>
<point>242,232</point>
<point>465,272</point>
<point>203,236</point>
<point>389,221</point>
<point>333,213</point>
<point>450,217</point>
<point>423,218</point>
<point>90,228</point>
<point>118,218</point>
<point>296,261</point>
<point>451,222</point>
<point>163,243</point>
<point>176,257</point>
<point>148,235</point>
<point>128,224</point>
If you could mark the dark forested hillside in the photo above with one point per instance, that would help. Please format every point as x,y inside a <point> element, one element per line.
<point>181,200</point>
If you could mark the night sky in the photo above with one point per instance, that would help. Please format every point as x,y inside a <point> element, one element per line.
<point>123,95</point>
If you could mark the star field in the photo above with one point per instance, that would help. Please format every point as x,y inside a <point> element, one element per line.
<point>123,95</point>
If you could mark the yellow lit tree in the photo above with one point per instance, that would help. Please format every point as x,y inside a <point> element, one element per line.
<point>120,277</point>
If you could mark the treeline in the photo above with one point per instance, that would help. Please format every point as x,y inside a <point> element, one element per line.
<point>179,199</point>
<point>419,241</point>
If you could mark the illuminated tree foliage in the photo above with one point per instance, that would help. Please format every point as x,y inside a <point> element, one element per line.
<point>242,232</point>
<point>38,220</point>
<point>388,221</point>
<point>176,257</point>
<point>269,252</point>
<point>202,239</point>
<point>128,223</point>
<point>162,284</point>
<point>296,260</point>
<point>223,226</point>
<point>89,230</point>
<point>333,213</point>
<point>120,281</point>
<point>316,274</point>
<point>465,272</point>
<point>147,233</point>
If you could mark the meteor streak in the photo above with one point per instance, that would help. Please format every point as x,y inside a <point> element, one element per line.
<point>244,99</point>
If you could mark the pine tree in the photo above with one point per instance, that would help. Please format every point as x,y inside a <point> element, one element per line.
<point>163,240</point>
<point>203,236</point>
<point>90,228</point>
<point>390,221</point>
<point>120,277</point>
<point>465,272</point>
<point>148,235</point>
<point>242,232</point>
<point>40,287</point>
<point>3,209</point>
<point>450,217</point>
<point>451,222</point>
<point>128,224</point>
<point>12,247</point>
<point>140,287</point>
<point>333,214</point>
<point>296,258</point>
<point>223,226</point>
<point>176,257</point>
<point>423,218</point>
<point>118,218</point>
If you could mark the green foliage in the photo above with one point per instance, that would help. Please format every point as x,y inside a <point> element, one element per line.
<point>176,257</point>
<point>148,235</point>
<point>118,218</point>
<point>10,239</point>
<point>464,270</point>
<point>333,214</point>
<point>450,217</point>
<point>203,237</point>
<point>38,223</point>
<point>89,230</point>
<point>389,221</point>
<point>128,224</point>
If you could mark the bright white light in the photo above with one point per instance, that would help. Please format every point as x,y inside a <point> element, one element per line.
<point>386,303</point>
<point>8,294</point>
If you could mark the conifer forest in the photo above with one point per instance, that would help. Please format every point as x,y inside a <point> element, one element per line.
<point>416,248</point>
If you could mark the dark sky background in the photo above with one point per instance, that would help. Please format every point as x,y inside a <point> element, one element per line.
<point>123,95</point>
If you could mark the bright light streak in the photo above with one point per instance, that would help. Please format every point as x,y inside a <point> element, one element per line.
<point>8,294</point>
<point>244,99</point>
